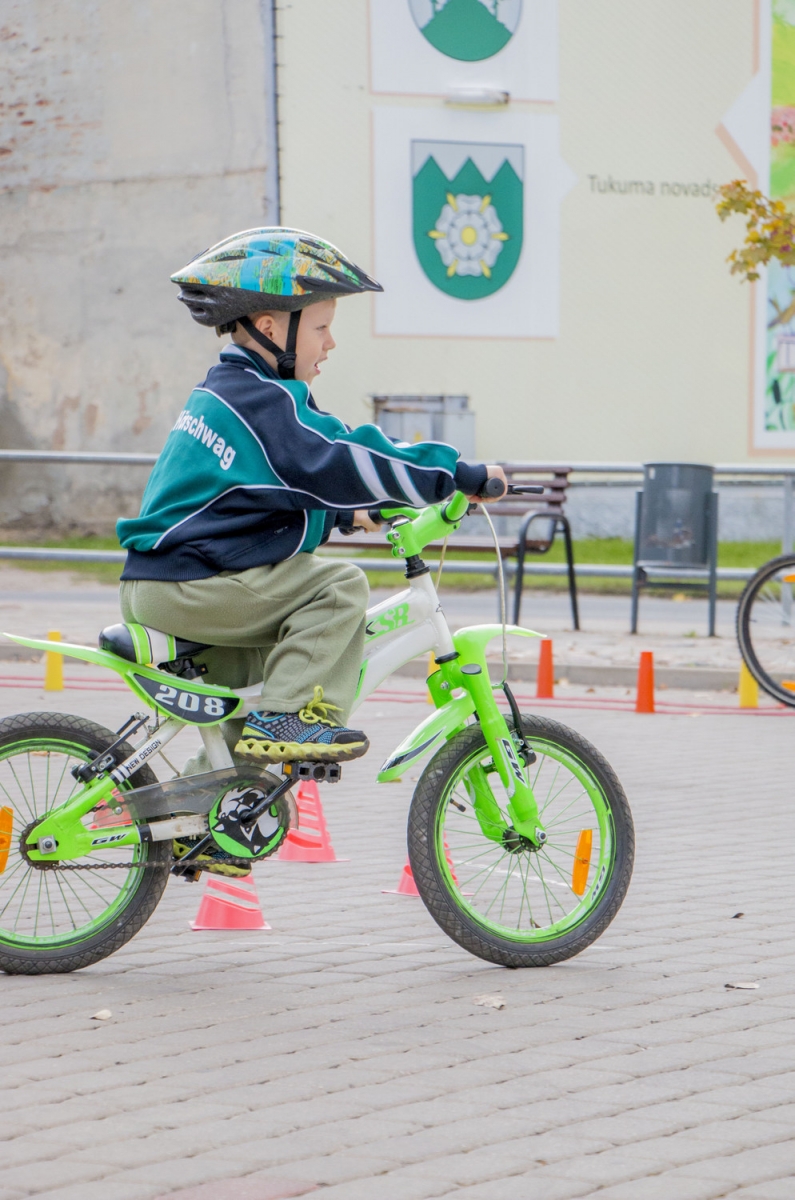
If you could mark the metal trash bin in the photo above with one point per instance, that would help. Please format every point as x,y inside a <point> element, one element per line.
<point>676,531</point>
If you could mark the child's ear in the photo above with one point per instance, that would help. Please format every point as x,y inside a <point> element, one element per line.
<point>264,323</point>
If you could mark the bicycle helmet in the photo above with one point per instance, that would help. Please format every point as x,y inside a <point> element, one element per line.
<point>261,269</point>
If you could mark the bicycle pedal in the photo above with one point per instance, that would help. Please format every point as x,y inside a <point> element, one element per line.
<point>318,772</point>
<point>187,872</point>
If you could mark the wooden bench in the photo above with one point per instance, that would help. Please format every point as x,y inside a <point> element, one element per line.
<point>547,508</point>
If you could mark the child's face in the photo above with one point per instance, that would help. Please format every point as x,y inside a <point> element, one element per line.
<point>315,342</point>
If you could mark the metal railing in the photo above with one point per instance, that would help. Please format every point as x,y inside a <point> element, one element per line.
<point>619,474</point>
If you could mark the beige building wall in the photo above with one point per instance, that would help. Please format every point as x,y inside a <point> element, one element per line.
<point>133,135</point>
<point>652,360</point>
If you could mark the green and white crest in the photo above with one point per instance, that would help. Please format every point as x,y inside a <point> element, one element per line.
<point>469,30</point>
<point>468,214</point>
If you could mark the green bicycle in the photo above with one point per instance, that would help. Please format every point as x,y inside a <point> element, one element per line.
<point>520,836</point>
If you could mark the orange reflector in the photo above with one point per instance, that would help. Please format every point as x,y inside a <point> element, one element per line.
<point>789,684</point>
<point>6,826</point>
<point>788,579</point>
<point>582,862</point>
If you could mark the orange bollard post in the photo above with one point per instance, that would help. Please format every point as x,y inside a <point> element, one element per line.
<point>545,678</point>
<point>644,702</point>
<point>53,666</point>
<point>748,689</point>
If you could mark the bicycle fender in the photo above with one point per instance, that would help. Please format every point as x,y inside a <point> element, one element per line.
<point>427,737</point>
<point>102,658</point>
<point>471,641</point>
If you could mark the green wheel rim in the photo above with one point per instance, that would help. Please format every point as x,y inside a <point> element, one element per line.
<point>527,896</point>
<point>53,909</point>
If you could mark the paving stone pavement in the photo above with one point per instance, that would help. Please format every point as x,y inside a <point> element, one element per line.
<point>342,1050</point>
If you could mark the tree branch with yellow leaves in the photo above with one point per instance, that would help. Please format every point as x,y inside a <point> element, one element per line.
<point>769,234</point>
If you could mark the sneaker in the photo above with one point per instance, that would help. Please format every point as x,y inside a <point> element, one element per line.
<point>213,859</point>
<point>309,735</point>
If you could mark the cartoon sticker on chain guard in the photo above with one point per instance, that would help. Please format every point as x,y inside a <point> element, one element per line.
<point>260,839</point>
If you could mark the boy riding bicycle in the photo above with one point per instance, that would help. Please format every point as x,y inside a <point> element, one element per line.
<point>252,479</point>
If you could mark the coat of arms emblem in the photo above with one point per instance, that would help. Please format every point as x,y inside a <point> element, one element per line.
<point>469,30</point>
<point>468,214</point>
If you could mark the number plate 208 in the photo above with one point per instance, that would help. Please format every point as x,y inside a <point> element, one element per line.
<point>196,707</point>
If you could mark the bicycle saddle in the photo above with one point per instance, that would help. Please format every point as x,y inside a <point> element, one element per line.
<point>140,644</point>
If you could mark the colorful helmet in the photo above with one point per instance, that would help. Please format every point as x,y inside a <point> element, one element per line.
<point>275,268</point>
<point>261,269</point>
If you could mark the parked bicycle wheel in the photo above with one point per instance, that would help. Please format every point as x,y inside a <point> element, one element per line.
<point>508,901</point>
<point>64,918</point>
<point>766,627</point>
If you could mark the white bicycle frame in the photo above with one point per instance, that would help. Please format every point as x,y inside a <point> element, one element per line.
<point>400,628</point>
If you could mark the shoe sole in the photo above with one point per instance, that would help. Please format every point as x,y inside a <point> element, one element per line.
<point>276,752</point>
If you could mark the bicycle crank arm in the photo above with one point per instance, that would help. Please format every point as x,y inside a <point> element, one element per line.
<point>252,816</point>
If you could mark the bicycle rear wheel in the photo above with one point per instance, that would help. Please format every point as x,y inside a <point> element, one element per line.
<point>61,919</point>
<point>766,628</point>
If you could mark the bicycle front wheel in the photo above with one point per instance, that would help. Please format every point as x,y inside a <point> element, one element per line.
<point>76,913</point>
<point>508,901</point>
<point>766,628</point>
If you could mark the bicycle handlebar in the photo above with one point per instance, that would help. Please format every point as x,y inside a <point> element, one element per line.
<point>492,489</point>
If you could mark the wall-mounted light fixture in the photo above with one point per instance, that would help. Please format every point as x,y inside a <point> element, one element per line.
<point>477,97</point>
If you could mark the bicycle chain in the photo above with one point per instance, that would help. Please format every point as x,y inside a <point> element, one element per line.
<point>141,866</point>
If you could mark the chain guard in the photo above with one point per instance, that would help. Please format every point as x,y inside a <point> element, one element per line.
<point>266,835</point>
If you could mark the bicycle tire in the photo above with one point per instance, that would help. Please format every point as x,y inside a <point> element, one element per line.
<point>434,865</point>
<point>745,623</point>
<point>43,735</point>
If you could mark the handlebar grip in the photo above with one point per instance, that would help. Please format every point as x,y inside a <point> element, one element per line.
<point>492,489</point>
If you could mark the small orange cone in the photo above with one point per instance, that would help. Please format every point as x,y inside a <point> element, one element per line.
<point>310,842</point>
<point>406,887</point>
<point>545,678</point>
<point>645,698</point>
<point>104,814</point>
<point>229,904</point>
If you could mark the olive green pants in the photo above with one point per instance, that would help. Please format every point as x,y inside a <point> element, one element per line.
<point>293,625</point>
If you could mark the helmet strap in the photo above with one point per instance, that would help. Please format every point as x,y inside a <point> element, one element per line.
<point>285,359</point>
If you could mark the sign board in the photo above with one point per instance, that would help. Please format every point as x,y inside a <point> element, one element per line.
<point>433,47</point>
<point>467,222</point>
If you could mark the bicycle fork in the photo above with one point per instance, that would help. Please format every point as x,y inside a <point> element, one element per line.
<point>522,806</point>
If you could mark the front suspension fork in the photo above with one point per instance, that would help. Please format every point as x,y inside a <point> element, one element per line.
<point>522,806</point>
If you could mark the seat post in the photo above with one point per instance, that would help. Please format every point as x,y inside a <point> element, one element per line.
<point>218,752</point>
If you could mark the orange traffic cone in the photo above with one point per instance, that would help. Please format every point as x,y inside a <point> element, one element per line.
<point>406,886</point>
<point>545,678</point>
<point>229,904</point>
<point>644,702</point>
<point>310,842</point>
<point>449,858</point>
<point>104,814</point>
